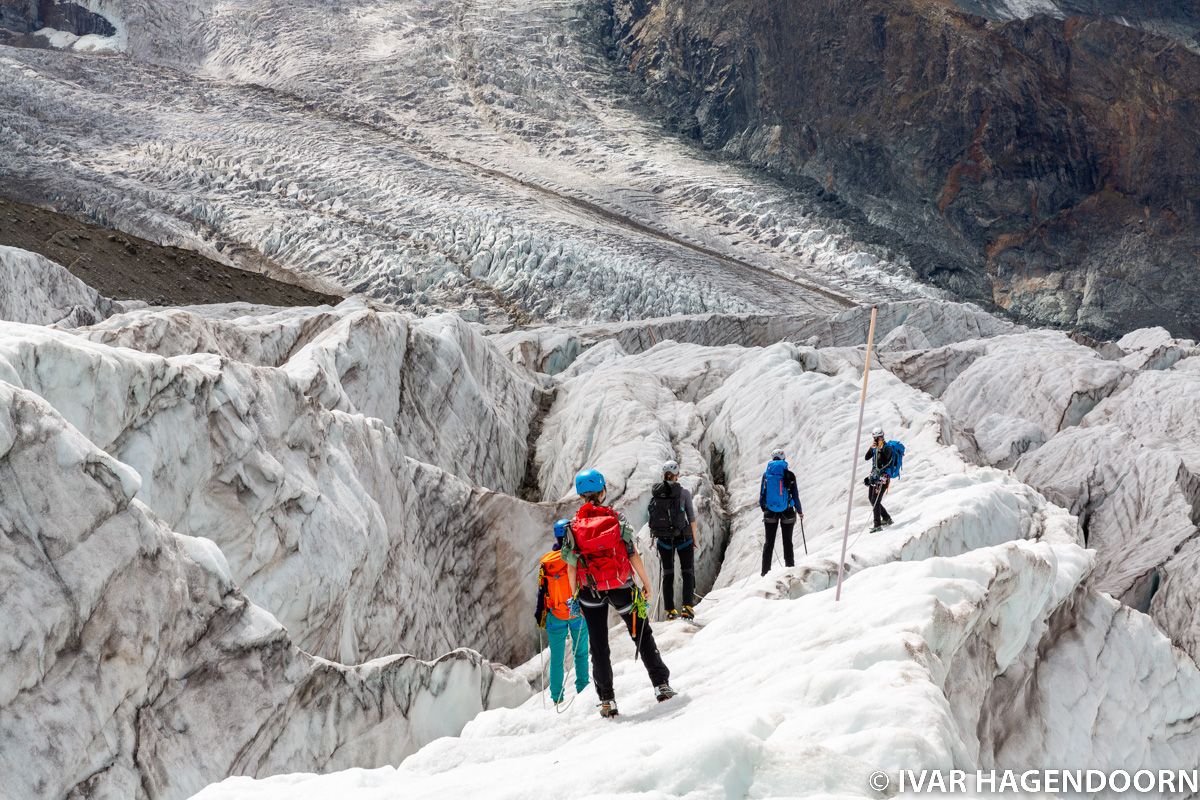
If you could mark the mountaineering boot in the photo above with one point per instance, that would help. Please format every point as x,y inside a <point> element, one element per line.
<point>672,614</point>
<point>876,529</point>
<point>663,692</point>
<point>688,612</point>
<point>887,522</point>
<point>608,708</point>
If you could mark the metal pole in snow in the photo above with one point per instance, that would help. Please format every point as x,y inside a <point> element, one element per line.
<point>862,406</point>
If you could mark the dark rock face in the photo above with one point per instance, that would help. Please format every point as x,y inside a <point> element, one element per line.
<point>19,16</point>
<point>26,16</point>
<point>1053,164</point>
<point>73,18</point>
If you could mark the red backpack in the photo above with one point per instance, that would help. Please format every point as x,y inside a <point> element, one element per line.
<point>603,559</point>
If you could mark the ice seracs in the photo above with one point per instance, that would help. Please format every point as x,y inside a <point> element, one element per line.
<point>137,668</point>
<point>40,292</point>
<point>341,522</point>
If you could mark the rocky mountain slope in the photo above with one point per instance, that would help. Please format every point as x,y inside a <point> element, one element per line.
<point>130,268</point>
<point>1044,163</point>
<point>209,508</point>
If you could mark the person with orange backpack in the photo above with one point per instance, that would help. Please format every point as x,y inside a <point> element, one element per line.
<point>601,562</point>
<point>558,612</point>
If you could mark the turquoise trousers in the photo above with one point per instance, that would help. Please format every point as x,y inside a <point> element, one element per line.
<point>556,631</point>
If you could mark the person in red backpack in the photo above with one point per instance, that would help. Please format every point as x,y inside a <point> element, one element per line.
<point>601,562</point>
<point>558,612</point>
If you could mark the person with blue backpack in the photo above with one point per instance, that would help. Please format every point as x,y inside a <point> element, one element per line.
<point>780,503</point>
<point>886,458</point>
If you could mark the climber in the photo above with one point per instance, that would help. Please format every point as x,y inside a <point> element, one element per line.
<point>601,562</point>
<point>780,504</point>
<point>558,612</point>
<point>886,458</point>
<point>673,526</point>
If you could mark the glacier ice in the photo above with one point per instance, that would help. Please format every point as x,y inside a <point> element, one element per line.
<point>435,155</point>
<point>314,499</point>
<point>213,511</point>
<point>136,667</point>
<point>40,292</point>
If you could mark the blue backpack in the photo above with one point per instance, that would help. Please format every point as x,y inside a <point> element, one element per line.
<point>893,470</point>
<point>775,493</point>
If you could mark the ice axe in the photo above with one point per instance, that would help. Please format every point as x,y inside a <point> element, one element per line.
<point>803,540</point>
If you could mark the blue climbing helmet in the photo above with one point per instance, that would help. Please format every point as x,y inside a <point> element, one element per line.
<point>560,529</point>
<point>589,481</point>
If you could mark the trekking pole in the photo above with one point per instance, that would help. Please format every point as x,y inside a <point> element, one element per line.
<point>862,407</point>
<point>803,539</point>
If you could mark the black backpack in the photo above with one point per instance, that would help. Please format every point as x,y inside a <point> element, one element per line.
<point>667,516</point>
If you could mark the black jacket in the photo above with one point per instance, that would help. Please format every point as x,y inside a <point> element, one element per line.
<point>883,463</point>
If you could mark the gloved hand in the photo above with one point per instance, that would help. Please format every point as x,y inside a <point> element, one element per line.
<point>573,606</point>
<point>866,481</point>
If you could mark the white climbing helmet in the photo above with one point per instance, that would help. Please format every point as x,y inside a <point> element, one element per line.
<point>670,467</point>
<point>877,432</point>
<point>777,454</point>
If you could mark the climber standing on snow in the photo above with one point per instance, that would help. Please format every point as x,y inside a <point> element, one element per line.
<point>601,562</point>
<point>673,526</point>
<point>780,503</point>
<point>558,612</point>
<point>886,458</point>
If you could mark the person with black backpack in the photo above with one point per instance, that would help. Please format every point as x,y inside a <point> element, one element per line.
<point>780,503</point>
<point>673,526</point>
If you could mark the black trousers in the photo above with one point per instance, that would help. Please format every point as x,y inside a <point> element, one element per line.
<point>594,605</point>
<point>687,565</point>
<point>875,493</point>
<point>773,520</point>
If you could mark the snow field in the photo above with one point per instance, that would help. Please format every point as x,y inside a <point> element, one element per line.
<point>780,698</point>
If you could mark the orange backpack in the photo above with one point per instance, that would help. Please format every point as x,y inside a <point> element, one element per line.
<point>558,588</point>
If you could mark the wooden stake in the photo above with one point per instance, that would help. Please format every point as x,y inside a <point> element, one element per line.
<point>862,407</point>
